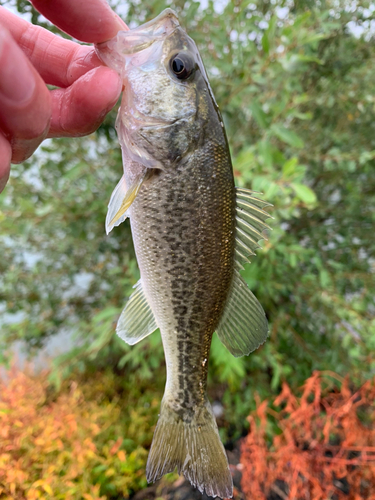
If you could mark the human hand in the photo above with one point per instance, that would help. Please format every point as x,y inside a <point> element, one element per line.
<point>31,57</point>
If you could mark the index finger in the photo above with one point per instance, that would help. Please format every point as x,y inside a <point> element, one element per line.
<point>91,22</point>
<point>59,61</point>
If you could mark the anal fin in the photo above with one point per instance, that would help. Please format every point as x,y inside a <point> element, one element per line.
<point>137,320</point>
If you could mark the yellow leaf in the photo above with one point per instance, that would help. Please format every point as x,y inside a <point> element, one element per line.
<point>32,494</point>
<point>47,488</point>
<point>121,455</point>
<point>110,472</point>
<point>51,469</point>
<point>37,483</point>
<point>12,488</point>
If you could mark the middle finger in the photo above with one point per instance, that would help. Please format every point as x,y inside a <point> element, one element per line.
<point>25,102</point>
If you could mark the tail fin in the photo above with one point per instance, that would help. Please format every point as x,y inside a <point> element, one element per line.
<point>191,443</point>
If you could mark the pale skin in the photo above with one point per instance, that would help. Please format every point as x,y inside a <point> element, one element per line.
<point>31,57</point>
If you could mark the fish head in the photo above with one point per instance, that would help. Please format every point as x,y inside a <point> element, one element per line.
<point>166,94</point>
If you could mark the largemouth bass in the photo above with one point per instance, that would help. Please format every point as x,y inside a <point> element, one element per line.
<point>192,232</point>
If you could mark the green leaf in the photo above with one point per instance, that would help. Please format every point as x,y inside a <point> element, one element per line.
<point>108,312</point>
<point>76,171</point>
<point>301,19</point>
<point>304,193</point>
<point>310,38</point>
<point>287,135</point>
<point>289,167</point>
<point>293,260</point>
<point>260,183</point>
<point>324,278</point>
<point>269,34</point>
<point>245,160</point>
<point>265,42</point>
<point>265,150</point>
<point>307,58</point>
<point>259,115</point>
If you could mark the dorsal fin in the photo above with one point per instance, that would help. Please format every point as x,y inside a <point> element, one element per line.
<point>137,321</point>
<point>243,326</point>
<point>250,225</point>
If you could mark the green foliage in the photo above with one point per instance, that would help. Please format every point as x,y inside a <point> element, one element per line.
<point>296,90</point>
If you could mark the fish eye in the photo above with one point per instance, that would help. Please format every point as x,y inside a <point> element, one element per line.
<point>182,65</point>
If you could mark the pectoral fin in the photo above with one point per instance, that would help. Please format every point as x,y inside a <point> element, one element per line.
<point>121,199</point>
<point>137,320</point>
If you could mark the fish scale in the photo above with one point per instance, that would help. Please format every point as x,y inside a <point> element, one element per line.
<point>192,231</point>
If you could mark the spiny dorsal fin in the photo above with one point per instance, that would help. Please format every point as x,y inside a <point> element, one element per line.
<point>250,224</point>
<point>121,199</point>
<point>137,320</point>
<point>243,326</point>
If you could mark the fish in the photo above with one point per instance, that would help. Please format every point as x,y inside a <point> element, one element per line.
<point>193,231</point>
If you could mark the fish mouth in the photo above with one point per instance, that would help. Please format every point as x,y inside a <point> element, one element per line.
<point>132,45</point>
<point>143,36</point>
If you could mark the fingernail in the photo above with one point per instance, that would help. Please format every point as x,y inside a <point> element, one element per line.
<point>17,81</point>
<point>116,84</point>
<point>121,24</point>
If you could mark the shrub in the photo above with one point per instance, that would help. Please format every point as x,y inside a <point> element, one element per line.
<point>324,447</point>
<point>74,444</point>
<point>296,89</point>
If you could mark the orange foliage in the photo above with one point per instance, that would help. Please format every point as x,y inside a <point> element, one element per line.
<point>55,449</point>
<point>324,445</point>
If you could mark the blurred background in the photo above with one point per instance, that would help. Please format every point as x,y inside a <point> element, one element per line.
<point>295,84</point>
